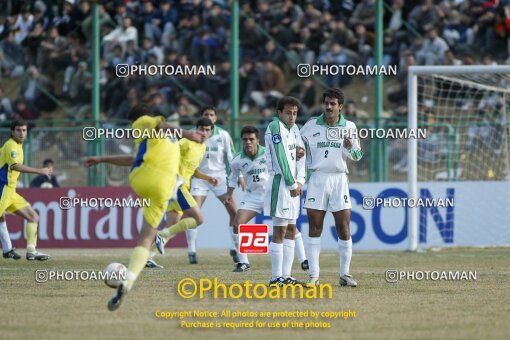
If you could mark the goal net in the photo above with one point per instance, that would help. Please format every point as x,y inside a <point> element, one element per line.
<point>465,157</point>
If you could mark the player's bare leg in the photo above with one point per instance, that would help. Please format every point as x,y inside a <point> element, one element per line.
<point>242,217</point>
<point>200,200</point>
<point>315,222</point>
<point>191,219</point>
<point>29,214</point>
<point>172,218</point>
<point>342,221</point>
<point>137,262</point>
<point>187,222</point>
<point>231,210</point>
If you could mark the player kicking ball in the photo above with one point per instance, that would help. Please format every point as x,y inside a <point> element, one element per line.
<point>328,188</point>
<point>251,163</point>
<point>184,210</point>
<point>11,159</point>
<point>284,187</point>
<point>153,176</point>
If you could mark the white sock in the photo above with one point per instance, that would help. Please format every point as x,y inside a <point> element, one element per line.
<point>345,251</point>
<point>5,238</point>
<point>191,237</point>
<point>314,251</point>
<point>233,238</point>
<point>300,247</point>
<point>276,251</point>
<point>288,257</point>
<point>243,258</point>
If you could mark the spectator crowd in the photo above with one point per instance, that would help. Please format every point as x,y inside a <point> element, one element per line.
<point>47,44</point>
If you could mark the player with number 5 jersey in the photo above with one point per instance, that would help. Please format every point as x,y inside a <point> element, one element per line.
<point>284,187</point>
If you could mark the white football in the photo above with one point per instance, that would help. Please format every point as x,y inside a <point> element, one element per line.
<point>114,274</point>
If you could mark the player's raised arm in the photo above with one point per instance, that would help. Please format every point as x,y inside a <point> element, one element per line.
<point>195,136</point>
<point>120,160</point>
<point>29,170</point>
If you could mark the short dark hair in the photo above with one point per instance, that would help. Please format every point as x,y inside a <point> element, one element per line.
<point>250,129</point>
<point>334,92</point>
<point>287,101</point>
<point>139,110</point>
<point>18,122</point>
<point>208,107</point>
<point>204,122</point>
<point>47,161</point>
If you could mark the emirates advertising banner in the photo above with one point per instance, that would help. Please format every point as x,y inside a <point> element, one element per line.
<point>450,214</point>
<point>84,218</point>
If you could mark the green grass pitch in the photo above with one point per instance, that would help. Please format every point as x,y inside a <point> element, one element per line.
<point>405,310</point>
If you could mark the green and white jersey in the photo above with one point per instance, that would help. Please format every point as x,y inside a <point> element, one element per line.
<point>281,144</point>
<point>326,154</point>
<point>253,169</point>
<point>219,152</point>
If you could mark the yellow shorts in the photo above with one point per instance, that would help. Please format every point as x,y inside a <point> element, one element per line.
<point>158,188</point>
<point>184,201</point>
<point>11,201</point>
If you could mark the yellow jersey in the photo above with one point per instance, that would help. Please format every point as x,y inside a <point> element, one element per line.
<point>191,156</point>
<point>10,154</point>
<point>154,154</point>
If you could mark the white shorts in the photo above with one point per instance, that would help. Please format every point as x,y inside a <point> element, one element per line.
<point>278,202</point>
<point>200,187</point>
<point>252,201</point>
<point>282,222</point>
<point>328,192</point>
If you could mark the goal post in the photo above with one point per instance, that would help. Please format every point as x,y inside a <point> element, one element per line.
<point>466,104</point>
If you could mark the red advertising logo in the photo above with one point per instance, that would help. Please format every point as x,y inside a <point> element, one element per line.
<point>73,226</point>
<point>253,238</point>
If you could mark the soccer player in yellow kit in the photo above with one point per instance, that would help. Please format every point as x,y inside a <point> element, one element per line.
<point>154,171</point>
<point>11,165</point>
<point>185,206</point>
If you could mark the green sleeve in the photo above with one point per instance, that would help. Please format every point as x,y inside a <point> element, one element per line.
<point>356,154</point>
<point>281,156</point>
